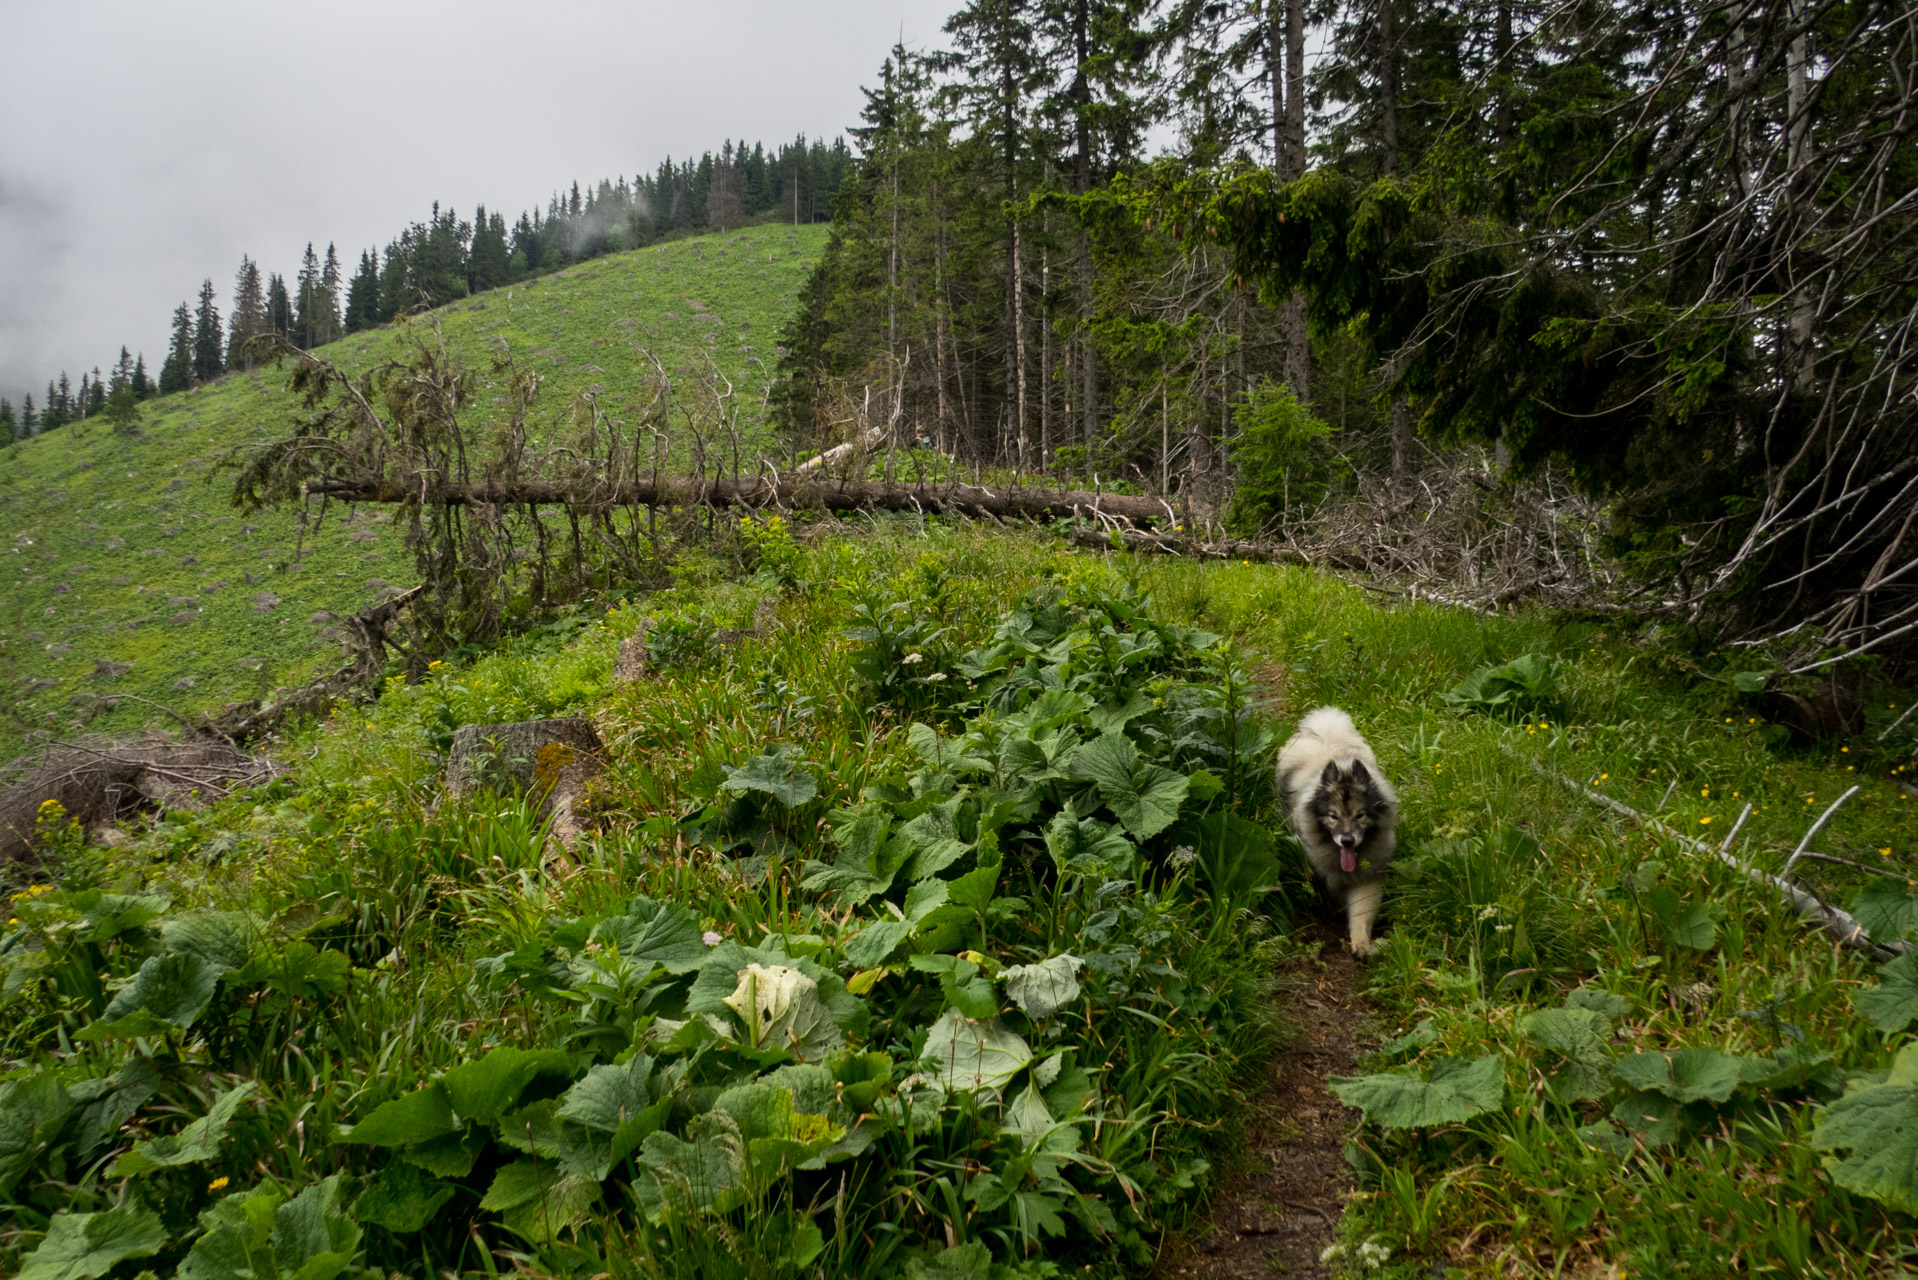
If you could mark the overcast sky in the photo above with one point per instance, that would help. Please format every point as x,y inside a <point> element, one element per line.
<point>145,146</point>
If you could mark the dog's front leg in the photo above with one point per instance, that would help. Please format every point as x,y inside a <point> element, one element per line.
<point>1361,905</point>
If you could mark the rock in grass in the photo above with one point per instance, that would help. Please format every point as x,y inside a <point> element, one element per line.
<point>548,759</point>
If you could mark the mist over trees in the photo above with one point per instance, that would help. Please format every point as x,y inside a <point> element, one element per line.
<point>447,257</point>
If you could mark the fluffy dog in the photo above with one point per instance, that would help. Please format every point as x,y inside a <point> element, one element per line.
<point>1344,812</point>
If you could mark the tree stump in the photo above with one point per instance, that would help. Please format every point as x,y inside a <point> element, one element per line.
<point>549,760</point>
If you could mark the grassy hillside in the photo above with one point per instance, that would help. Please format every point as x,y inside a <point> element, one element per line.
<point>994,821</point>
<point>129,574</point>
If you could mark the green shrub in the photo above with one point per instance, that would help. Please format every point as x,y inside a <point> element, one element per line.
<point>1283,459</point>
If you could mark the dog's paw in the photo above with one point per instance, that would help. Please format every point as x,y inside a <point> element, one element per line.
<point>1361,947</point>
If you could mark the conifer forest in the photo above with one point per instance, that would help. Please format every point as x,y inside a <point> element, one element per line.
<point>764,720</point>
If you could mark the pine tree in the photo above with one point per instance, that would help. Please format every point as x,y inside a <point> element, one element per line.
<point>143,388</point>
<point>82,400</point>
<point>306,321</point>
<point>95,395</point>
<point>9,429</point>
<point>249,319</point>
<point>209,337</point>
<point>488,262</point>
<point>279,307</point>
<point>176,373</point>
<point>29,420</point>
<point>363,294</point>
<point>332,293</point>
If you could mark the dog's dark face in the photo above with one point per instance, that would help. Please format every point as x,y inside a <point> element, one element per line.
<point>1348,808</point>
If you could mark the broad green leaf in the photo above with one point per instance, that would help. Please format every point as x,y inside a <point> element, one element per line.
<point>32,1113</point>
<point>1892,1005</point>
<point>1606,1137</point>
<point>663,932</point>
<point>608,1097</point>
<point>486,1088</point>
<point>419,1116</point>
<point>172,990</point>
<point>961,1262</point>
<point>450,1155</point>
<point>779,1007</point>
<point>197,1143</point>
<point>1684,924</point>
<point>1608,1004</point>
<point>924,896</point>
<point>872,945</point>
<point>80,1245</point>
<point>1144,796</point>
<point>225,939</point>
<point>974,1054</point>
<point>401,1198</point>
<point>313,1236</point>
<point>1787,1067</point>
<point>1456,1091</point>
<point>685,1176</point>
<point>109,915</point>
<point>776,1135</point>
<point>775,774</point>
<point>1652,1116</point>
<point>302,971</point>
<point>1086,847</point>
<point>1886,908</point>
<point>518,1182</point>
<point>1689,1075</point>
<point>1578,1034</point>
<point>1041,990</point>
<point>944,753</point>
<point>565,1204</point>
<point>237,1238</point>
<point>1115,715</point>
<point>1877,1124</point>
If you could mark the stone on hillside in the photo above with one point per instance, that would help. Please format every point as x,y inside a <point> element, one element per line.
<point>265,602</point>
<point>548,759</point>
<point>107,669</point>
<point>185,682</point>
<point>631,664</point>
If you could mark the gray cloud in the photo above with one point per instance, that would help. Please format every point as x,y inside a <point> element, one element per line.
<point>146,146</point>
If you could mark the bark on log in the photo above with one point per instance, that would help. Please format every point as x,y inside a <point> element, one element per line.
<point>1161,544</point>
<point>756,492</point>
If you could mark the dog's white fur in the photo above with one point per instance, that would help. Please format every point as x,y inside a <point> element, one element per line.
<point>1328,736</point>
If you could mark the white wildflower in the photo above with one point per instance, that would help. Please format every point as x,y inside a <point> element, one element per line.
<point>1488,913</point>
<point>1184,856</point>
<point>711,939</point>
<point>935,677</point>
<point>1374,1255</point>
<point>913,657</point>
<point>1331,1251</point>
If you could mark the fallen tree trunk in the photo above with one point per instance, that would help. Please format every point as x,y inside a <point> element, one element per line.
<point>757,492</point>
<point>1153,543</point>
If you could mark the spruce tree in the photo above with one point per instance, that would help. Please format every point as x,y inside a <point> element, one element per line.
<point>29,420</point>
<point>487,263</point>
<point>332,293</point>
<point>249,318</point>
<point>363,294</point>
<point>209,338</point>
<point>306,315</point>
<point>279,307</point>
<point>8,427</point>
<point>143,388</point>
<point>177,370</point>
<point>95,395</point>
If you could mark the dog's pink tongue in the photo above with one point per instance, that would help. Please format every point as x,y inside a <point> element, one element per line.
<point>1348,859</point>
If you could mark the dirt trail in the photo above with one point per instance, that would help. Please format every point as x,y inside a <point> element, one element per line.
<point>1276,1212</point>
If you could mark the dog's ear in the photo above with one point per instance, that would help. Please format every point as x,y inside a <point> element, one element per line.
<point>1331,777</point>
<point>1360,774</point>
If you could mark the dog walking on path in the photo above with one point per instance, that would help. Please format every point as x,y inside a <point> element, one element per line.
<point>1344,812</point>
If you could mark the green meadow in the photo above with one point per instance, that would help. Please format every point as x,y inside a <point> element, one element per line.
<point>939,931</point>
<point>130,576</point>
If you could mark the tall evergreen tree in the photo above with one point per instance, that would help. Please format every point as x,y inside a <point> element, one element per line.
<point>307,300</point>
<point>209,337</point>
<point>143,388</point>
<point>29,420</point>
<point>489,259</point>
<point>9,427</point>
<point>332,293</point>
<point>249,319</point>
<point>176,372</point>
<point>363,294</point>
<point>96,394</point>
<point>279,307</point>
